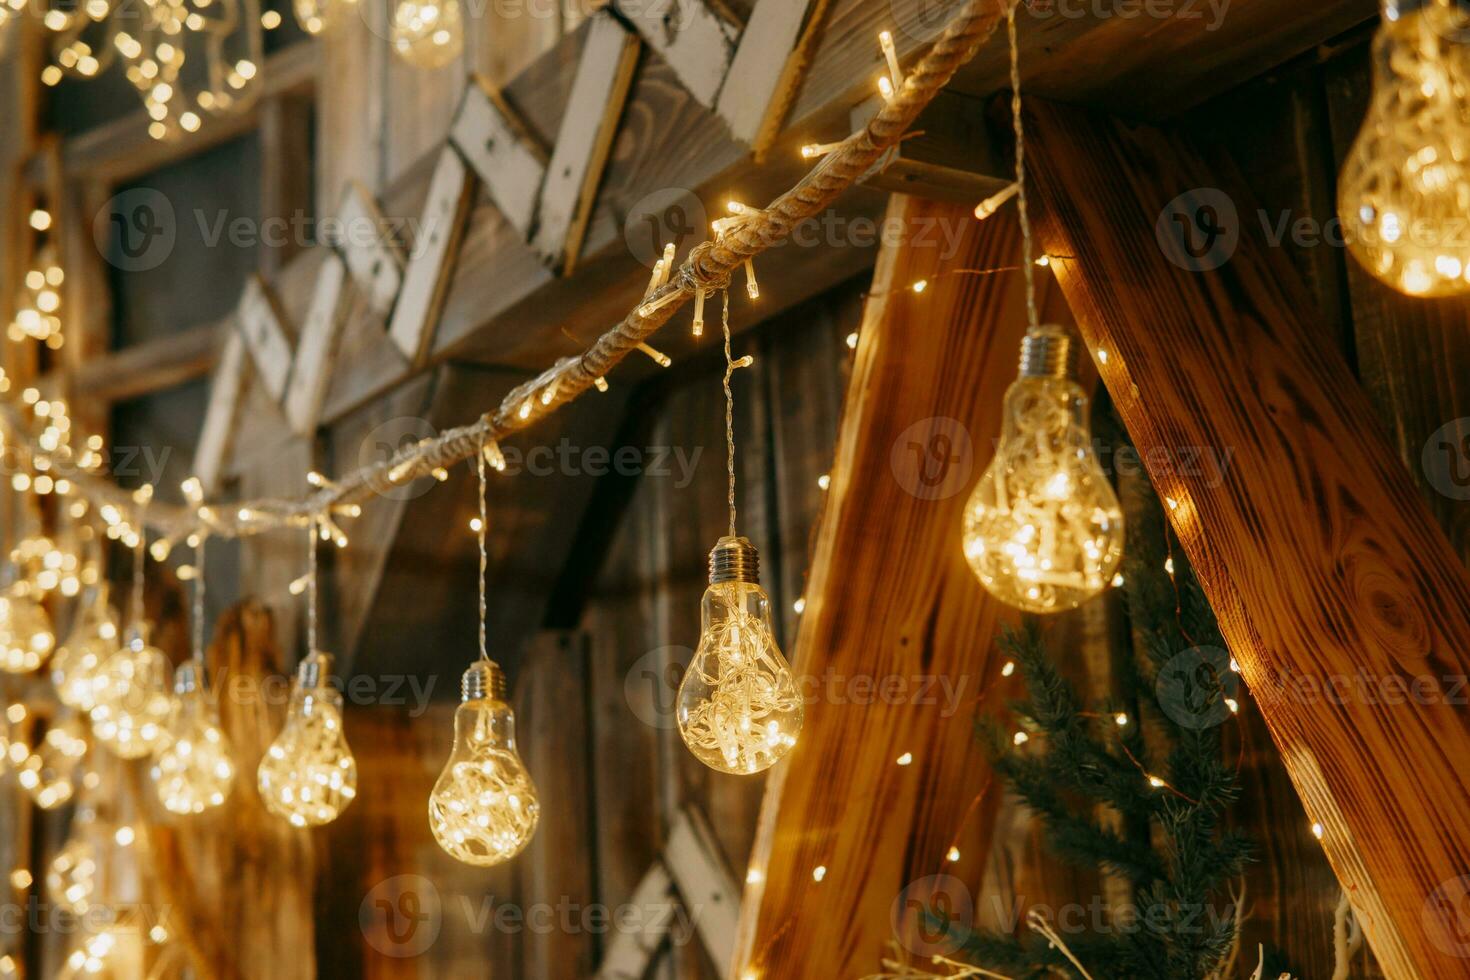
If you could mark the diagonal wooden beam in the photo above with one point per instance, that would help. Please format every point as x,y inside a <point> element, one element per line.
<point>925,392</point>
<point>1342,601</point>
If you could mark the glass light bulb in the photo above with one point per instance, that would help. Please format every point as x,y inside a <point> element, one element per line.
<point>194,768</point>
<point>739,710</point>
<point>1405,186</point>
<point>1043,529</point>
<point>428,33</point>
<point>133,699</point>
<point>47,774</point>
<point>71,878</point>
<point>308,775</point>
<point>483,809</point>
<point>76,668</point>
<point>26,639</point>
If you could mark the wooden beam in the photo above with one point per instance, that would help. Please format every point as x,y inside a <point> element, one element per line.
<point>950,157</point>
<point>705,884</point>
<point>153,365</point>
<point>316,350</point>
<point>1325,567</point>
<point>121,150</point>
<point>690,36</point>
<point>927,379</point>
<point>774,53</point>
<point>220,417</point>
<point>262,324</point>
<point>367,244</point>
<point>416,311</point>
<point>599,91</point>
<point>630,951</point>
<point>508,160</point>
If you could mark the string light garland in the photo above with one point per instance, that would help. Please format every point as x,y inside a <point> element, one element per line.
<point>483,809</point>
<point>1043,530</point>
<point>308,775</point>
<point>1405,186</point>
<point>194,769</point>
<point>709,263</point>
<point>738,709</point>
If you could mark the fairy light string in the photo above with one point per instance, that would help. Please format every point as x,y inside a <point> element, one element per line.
<point>311,584</point>
<point>480,532</point>
<point>199,603</point>
<point>729,412</point>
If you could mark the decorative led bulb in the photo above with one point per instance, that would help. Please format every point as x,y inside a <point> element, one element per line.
<point>1405,186</point>
<point>76,669</point>
<point>483,809</point>
<point>26,639</point>
<point>71,878</point>
<point>1043,529</point>
<point>428,33</point>
<point>194,768</point>
<point>739,710</point>
<point>133,698</point>
<point>308,775</point>
<point>47,773</point>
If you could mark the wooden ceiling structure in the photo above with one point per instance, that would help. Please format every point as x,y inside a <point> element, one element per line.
<point>505,311</point>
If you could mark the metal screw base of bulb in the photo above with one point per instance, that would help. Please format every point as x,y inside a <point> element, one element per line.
<point>483,680</point>
<point>311,671</point>
<point>734,559</point>
<point>1046,353</point>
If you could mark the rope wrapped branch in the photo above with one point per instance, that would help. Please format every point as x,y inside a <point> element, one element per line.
<point>708,267</point>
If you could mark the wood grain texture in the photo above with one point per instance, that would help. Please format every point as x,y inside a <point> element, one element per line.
<point>435,247</point>
<point>261,322</point>
<point>889,539</point>
<point>1317,553</point>
<point>317,348</point>
<point>765,68</point>
<point>225,394</point>
<point>368,247</point>
<point>595,107</point>
<point>690,36</point>
<point>497,144</point>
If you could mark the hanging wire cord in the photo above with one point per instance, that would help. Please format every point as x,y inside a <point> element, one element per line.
<point>1027,244</point>
<point>311,533</point>
<point>708,266</point>
<point>480,472</point>
<point>729,412</point>
<point>199,602</point>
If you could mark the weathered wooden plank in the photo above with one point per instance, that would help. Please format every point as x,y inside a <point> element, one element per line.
<point>261,322</point>
<point>690,36</point>
<point>553,738</point>
<point>630,951</point>
<point>705,884</point>
<point>1319,556</point>
<point>841,802</point>
<point>315,351</point>
<point>368,247</point>
<point>223,412</point>
<point>767,69</point>
<point>426,279</point>
<point>599,91</point>
<point>497,144</point>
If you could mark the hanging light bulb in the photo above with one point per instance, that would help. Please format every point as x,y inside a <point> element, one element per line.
<point>428,33</point>
<point>308,775</point>
<point>26,639</point>
<point>1043,529</point>
<point>1405,187</point>
<point>132,698</point>
<point>483,809</point>
<point>47,774</point>
<point>76,669</point>
<point>738,709</point>
<point>71,878</point>
<point>194,768</point>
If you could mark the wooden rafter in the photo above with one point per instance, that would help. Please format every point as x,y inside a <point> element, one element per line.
<point>1327,570</point>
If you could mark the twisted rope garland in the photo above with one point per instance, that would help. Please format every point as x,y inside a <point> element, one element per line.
<point>709,266</point>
